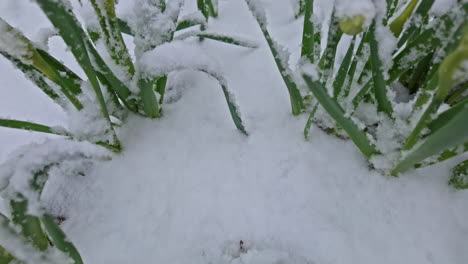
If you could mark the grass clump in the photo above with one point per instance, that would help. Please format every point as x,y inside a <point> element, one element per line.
<point>399,92</point>
<point>115,85</point>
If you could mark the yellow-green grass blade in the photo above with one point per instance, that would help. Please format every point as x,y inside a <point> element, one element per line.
<point>35,76</point>
<point>73,35</point>
<point>452,134</point>
<point>459,179</point>
<point>379,85</point>
<point>413,27</point>
<point>59,239</point>
<point>357,135</point>
<point>397,25</point>
<point>343,70</point>
<point>308,44</point>
<point>29,126</point>
<point>110,27</point>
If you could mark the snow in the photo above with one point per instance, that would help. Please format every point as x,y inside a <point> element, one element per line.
<point>188,187</point>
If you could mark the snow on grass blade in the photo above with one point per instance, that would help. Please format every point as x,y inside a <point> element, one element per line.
<point>459,179</point>
<point>397,25</point>
<point>36,77</point>
<point>73,35</point>
<point>446,137</point>
<point>343,70</point>
<point>309,121</point>
<point>308,31</point>
<point>15,45</point>
<point>110,27</point>
<point>190,20</point>
<point>21,248</point>
<point>457,94</point>
<point>448,77</point>
<point>29,126</point>
<point>234,40</point>
<point>352,69</point>
<point>104,72</point>
<point>332,107</point>
<point>59,239</point>
<point>30,225</point>
<point>209,8</point>
<point>328,58</point>
<point>414,26</point>
<point>379,84</point>
<point>281,57</point>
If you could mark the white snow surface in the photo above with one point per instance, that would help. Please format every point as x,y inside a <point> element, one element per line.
<point>188,187</point>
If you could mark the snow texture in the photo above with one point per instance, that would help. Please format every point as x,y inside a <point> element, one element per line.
<point>188,187</point>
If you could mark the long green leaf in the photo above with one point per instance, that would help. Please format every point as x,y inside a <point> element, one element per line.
<point>452,134</point>
<point>30,225</point>
<point>397,25</point>
<point>11,123</point>
<point>309,121</point>
<point>110,25</point>
<point>422,12</point>
<point>327,60</point>
<point>308,44</point>
<point>227,39</point>
<point>59,239</point>
<point>75,38</point>
<point>379,84</point>
<point>343,70</point>
<point>356,134</point>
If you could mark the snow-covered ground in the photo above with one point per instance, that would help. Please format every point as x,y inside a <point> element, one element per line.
<point>188,187</point>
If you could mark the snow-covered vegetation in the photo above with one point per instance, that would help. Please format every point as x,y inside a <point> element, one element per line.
<point>149,165</point>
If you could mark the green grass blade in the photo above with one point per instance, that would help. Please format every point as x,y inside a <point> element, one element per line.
<point>328,58</point>
<point>5,256</point>
<point>36,77</point>
<point>421,13</point>
<point>308,44</point>
<point>447,79</point>
<point>352,69</point>
<point>309,121</point>
<point>227,39</point>
<point>189,21</point>
<point>452,134</point>
<point>30,225</point>
<point>447,115</point>
<point>110,27</point>
<point>295,96</point>
<point>73,35</point>
<point>343,70</point>
<point>124,27</point>
<point>233,108</point>
<point>23,125</point>
<point>379,84</point>
<point>59,239</point>
<point>148,98</point>
<point>357,135</point>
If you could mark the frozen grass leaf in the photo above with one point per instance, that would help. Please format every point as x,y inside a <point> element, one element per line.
<point>356,134</point>
<point>10,123</point>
